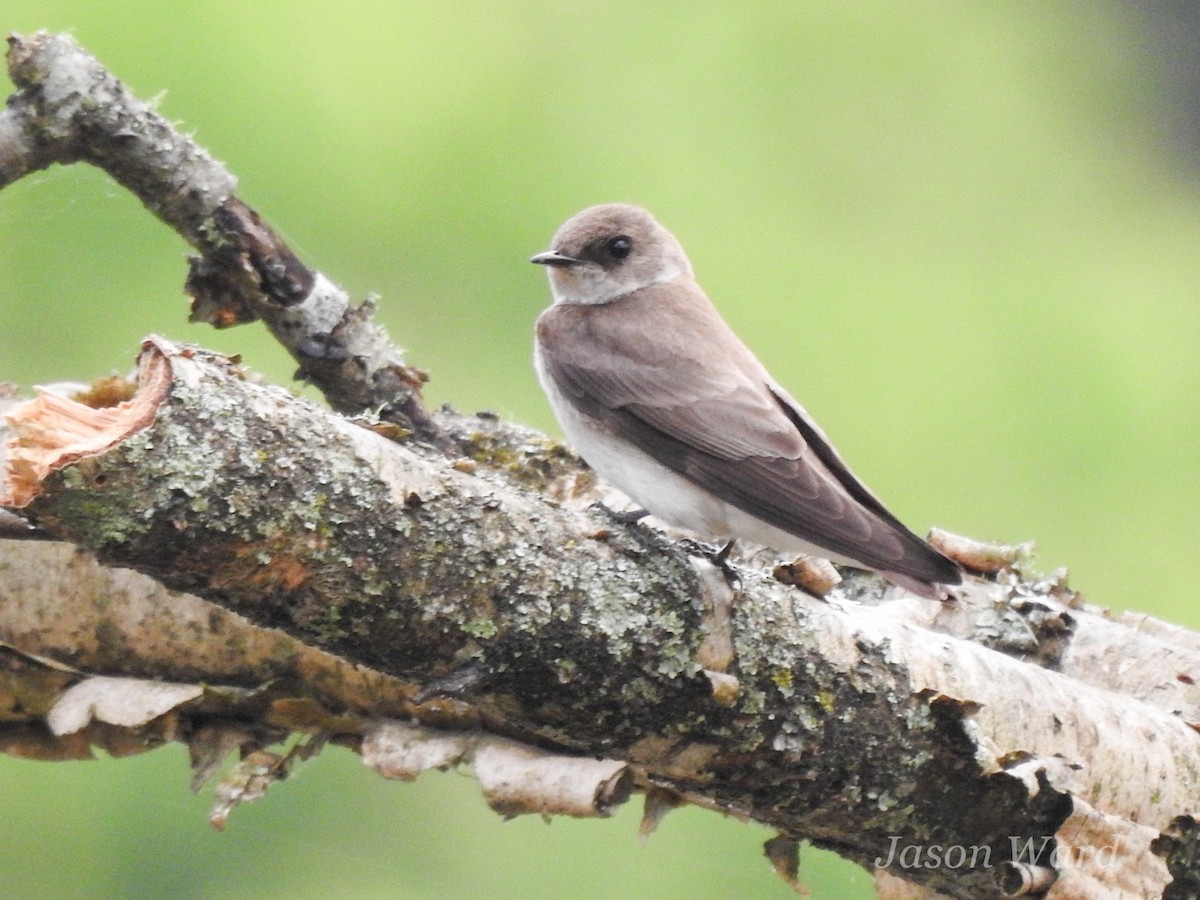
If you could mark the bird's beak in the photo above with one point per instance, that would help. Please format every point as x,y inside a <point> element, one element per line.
<point>553,258</point>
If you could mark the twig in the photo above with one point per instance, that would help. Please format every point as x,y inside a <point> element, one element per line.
<point>68,108</point>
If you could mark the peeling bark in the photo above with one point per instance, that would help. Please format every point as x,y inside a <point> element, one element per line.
<point>450,571</point>
<point>854,724</point>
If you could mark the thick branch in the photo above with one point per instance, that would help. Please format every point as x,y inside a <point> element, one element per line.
<point>1020,713</point>
<point>578,634</point>
<point>51,595</point>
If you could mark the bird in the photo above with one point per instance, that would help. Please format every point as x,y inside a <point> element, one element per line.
<point>663,400</point>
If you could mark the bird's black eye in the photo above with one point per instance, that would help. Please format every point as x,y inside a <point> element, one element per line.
<point>619,247</point>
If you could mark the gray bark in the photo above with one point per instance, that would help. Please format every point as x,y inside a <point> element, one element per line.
<point>451,570</point>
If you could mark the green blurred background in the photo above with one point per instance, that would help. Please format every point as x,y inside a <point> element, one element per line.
<point>964,234</point>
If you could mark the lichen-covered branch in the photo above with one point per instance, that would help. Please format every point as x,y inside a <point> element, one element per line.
<point>450,570</point>
<point>853,724</point>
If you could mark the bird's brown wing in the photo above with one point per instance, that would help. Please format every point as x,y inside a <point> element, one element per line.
<point>723,424</point>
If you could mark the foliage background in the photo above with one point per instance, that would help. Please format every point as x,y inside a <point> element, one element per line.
<point>964,234</point>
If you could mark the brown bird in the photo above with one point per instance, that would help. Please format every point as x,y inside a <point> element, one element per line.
<point>663,400</point>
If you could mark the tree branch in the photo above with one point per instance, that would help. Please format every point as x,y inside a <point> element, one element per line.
<point>68,108</point>
<point>452,571</point>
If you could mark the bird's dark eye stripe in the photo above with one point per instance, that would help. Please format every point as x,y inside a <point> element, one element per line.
<point>619,246</point>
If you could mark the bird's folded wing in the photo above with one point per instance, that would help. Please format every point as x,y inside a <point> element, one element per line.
<point>733,432</point>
